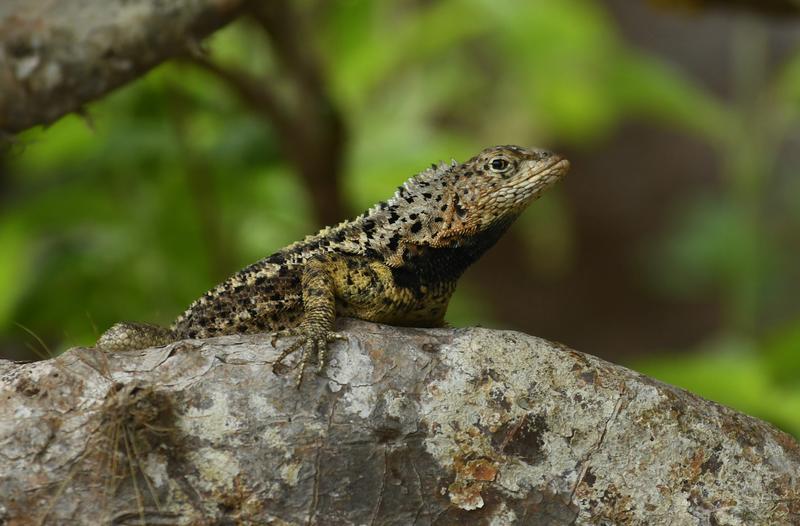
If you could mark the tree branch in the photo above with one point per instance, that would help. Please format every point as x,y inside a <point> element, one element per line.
<point>311,127</point>
<point>313,145</point>
<point>407,426</point>
<point>56,56</point>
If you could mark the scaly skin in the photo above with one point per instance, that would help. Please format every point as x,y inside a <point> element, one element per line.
<point>397,263</point>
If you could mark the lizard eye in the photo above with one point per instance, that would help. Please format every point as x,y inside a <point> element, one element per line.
<point>499,165</point>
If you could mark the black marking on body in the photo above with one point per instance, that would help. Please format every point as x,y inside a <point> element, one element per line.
<point>393,243</point>
<point>277,258</point>
<point>427,266</point>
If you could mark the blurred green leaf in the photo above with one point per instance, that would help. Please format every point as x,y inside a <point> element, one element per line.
<point>545,230</point>
<point>66,141</point>
<point>787,81</point>
<point>393,43</point>
<point>240,45</point>
<point>468,309</point>
<point>782,355</point>
<point>649,88</point>
<point>14,268</point>
<point>708,246</point>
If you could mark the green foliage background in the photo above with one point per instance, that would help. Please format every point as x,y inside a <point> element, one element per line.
<point>173,183</point>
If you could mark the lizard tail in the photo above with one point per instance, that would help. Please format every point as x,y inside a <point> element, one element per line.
<point>127,336</point>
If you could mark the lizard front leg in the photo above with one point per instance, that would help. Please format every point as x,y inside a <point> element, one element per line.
<point>315,332</point>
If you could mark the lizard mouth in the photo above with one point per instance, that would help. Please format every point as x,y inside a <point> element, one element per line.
<point>528,184</point>
<point>558,167</point>
<point>540,177</point>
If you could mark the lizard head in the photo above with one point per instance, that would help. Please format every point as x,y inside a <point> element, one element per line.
<point>497,184</point>
<point>463,206</point>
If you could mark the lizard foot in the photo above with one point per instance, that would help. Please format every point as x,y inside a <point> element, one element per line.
<point>314,345</point>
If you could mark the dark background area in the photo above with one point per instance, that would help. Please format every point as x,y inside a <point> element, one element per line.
<point>673,246</point>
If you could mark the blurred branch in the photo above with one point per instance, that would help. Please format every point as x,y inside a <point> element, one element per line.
<point>767,7</point>
<point>220,252</point>
<point>310,127</point>
<point>253,91</point>
<point>57,56</point>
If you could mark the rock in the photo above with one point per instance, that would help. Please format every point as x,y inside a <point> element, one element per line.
<point>406,426</point>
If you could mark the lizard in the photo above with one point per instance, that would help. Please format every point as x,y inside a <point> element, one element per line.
<point>397,263</point>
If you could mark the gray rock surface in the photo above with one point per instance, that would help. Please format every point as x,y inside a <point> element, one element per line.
<point>407,426</point>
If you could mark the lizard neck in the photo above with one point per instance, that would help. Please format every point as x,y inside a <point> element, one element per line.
<point>431,266</point>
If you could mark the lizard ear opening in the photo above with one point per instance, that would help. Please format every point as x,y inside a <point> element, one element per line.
<point>406,253</point>
<point>399,256</point>
<point>452,225</point>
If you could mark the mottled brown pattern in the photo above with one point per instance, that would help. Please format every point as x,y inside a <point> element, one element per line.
<point>397,263</point>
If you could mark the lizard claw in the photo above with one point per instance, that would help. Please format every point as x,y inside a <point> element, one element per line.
<point>281,334</point>
<point>313,346</point>
<point>294,346</point>
<point>322,348</point>
<point>333,336</point>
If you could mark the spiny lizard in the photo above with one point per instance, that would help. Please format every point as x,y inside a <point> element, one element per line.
<point>397,263</point>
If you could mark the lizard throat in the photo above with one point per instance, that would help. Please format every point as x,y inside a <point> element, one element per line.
<point>432,266</point>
